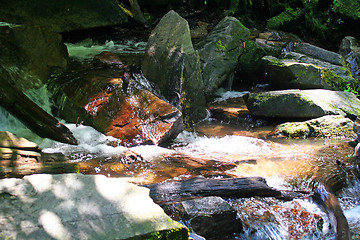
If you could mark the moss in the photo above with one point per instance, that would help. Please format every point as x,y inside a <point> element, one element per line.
<point>348,8</point>
<point>294,130</point>
<point>173,234</point>
<point>339,83</point>
<point>284,19</point>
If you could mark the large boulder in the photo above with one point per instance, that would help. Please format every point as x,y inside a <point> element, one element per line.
<point>75,206</point>
<point>30,54</point>
<point>219,52</point>
<point>296,70</point>
<point>172,63</point>
<point>303,103</point>
<point>63,16</point>
<point>116,104</point>
<point>329,126</point>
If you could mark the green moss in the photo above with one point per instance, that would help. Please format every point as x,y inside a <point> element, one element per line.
<point>348,8</point>
<point>173,234</point>
<point>339,83</point>
<point>284,19</point>
<point>294,130</point>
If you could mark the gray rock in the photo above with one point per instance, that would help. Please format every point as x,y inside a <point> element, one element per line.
<point>320,53</point>
<point>75,206</point>
<point>63,16</point>
<point>172,63</point>
<point>219,52</point>
<point>30,54</point>
<point>295,70</point>
<point>303,103</point>
<point>330,126</point>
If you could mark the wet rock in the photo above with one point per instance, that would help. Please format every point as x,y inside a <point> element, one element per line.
<point>219,52</point>
<point>116,104</point>
<point>20,157</point>
<point>350,50</point>
<point>107,59</point>
<point>332,126</point>
<point>30,54</point>
<point>75,206</point>
<point>210,217</point>
<point>64,16</point>
<point>295,70</point>
<point>172,63</point>
<point>303,103</point>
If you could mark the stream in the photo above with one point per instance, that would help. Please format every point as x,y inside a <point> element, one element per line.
<point>218,149</point>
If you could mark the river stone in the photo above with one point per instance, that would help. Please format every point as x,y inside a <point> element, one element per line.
<point>303,103</point>
<point>330,126</point>
<point>75,206</point>
<point>211,217</point>
<point>63,16</point>
<point>116,104</point>
<point>295,70</point>
<point>172,63</point>
<point>30,54</point>
<point>219,52</point>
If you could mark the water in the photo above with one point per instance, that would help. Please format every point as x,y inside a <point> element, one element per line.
<point>217,150</point>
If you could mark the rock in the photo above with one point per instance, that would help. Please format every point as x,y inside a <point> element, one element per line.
<point>295,70</point>
<point>20,157</point>
<point>303,103</point>
<point>75,206</point>
<point>331,126</point>
<point>172,63</point>
<point>107,59</point>
<point>350,50</point>
<point>211,217</point>
<point>30,54</point>
<point>319,53</point>
<point>64,16</point>
<point>117,105</point>
<point>219,52</point>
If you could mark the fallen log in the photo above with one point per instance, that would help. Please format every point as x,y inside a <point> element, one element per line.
<point>34,117</point>
<point>201,187</point>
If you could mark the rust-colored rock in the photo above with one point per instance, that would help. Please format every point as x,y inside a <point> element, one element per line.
<point>117,105</point>
<point>107,58</point>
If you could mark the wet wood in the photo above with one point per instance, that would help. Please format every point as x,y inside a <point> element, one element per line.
<point>34,117</point>
<point>201,187</point>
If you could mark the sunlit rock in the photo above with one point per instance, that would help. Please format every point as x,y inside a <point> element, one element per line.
<point>118,105</point>
<point>64,16</point>
<point>172,63</point>
<point>75,206</point>
<point>219,52</point>
<point>331,126</point>
<point>303,103</point>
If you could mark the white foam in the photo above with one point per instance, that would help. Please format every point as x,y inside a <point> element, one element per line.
<point>353,215</point>
<point>230,94</point>
<point>86,50</point>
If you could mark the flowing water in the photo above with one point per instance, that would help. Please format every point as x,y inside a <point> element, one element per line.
<point>217,149</point>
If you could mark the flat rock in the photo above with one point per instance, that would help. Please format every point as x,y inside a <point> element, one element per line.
<point>75,206</point>
<point>296,103</point>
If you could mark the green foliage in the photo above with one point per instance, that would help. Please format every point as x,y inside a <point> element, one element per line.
<point>220,46</point>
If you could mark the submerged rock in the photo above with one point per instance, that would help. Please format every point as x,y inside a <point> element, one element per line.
<point>172,63</point>
<point>116,104</point>
<point>75,206</point>
<point>219,52</point>
<point>303,103</point>
<point>331,126</point>
<point>63,16</point>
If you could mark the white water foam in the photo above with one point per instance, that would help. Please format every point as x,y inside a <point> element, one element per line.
<point>230,94</point>
<point>91,143</point>
<point>87,49</point>
<point>222,145</point>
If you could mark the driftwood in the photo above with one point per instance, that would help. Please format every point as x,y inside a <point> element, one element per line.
<point>34,117</point>
<point>201,187</point>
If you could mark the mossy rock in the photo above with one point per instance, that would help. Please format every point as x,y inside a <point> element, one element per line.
<point>348,8</point>
<point>331,126</point>
<point>284,20</point>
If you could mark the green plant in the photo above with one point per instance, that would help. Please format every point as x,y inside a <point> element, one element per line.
<point>220,46</point>
<point>350,88</point>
